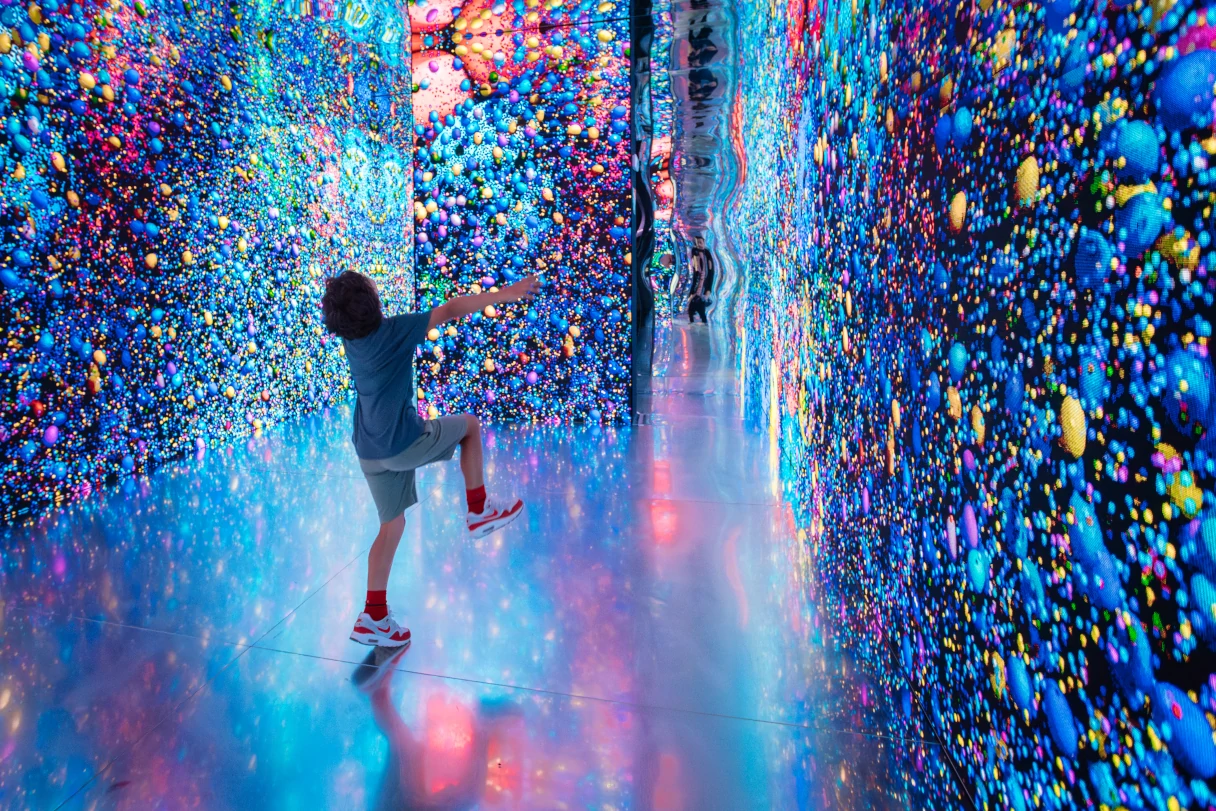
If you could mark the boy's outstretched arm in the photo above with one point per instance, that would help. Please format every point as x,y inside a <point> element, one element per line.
<point>461,306</point>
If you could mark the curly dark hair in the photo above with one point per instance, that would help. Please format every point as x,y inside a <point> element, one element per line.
<point>351,305</point>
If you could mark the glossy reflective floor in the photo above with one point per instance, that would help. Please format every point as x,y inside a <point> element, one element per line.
<point>645,637</point>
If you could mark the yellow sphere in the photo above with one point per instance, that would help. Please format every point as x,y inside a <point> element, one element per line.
<point>1027,183</point>
<point>958,211</point>
<point>1074,426</point>
<point>954,404</point>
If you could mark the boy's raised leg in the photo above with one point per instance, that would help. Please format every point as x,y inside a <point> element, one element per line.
<point>471,464</point>
<point>485,514</point>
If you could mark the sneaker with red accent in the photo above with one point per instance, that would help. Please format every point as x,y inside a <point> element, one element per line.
<point>385,633</point>
<point>494,516</point>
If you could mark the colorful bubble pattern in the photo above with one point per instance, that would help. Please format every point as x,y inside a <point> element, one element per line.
<point>179,178</point>
<point>979,305</point>
<point>521,165</point>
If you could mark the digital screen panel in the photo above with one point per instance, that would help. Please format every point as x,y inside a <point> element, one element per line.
<point>179,180</point>
<point>662,187</point>
<point>979,302</point>
<point>521,166</point>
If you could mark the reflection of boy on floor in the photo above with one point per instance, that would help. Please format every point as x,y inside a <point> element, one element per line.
<point>391,440</point>
<point>446,767</point>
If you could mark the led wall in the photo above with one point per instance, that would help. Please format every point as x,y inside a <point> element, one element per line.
<point>178,180</point>
<point>521,165</point>
<point>978,313</point>
<point>662,186</point>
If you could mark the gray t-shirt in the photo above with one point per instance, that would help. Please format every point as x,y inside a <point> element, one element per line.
<point>382,365</point>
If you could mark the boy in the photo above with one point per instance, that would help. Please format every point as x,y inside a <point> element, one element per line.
<point>391,440</point>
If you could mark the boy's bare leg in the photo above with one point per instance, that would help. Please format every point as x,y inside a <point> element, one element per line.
<point>470,454</point>
<point>380,559</point>
<point>376,625</point>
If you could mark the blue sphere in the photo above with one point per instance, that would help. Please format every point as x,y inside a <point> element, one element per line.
<point>1136,144</point>
<point>1183,95</point>
<point>1139,223</point>
<point>1093,259</point>
<point>957,362</point>
<point>963,123</point>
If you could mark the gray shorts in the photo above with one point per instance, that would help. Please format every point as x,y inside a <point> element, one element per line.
<point>392,480</point>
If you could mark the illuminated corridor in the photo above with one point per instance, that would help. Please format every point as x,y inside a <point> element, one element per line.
<point>645,637</point>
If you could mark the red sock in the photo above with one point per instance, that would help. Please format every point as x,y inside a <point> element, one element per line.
<point>477,499</point>
<point>377,605</point>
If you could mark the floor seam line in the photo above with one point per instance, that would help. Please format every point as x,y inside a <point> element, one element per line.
<point>166,717</point>
<point>313,593</point>
<point>94,777</point>
<point>244,649</point>
<point>617,702</point>
<point>186,634</point>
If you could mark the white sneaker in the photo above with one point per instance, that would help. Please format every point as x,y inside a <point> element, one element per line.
<point>493,516</point>
<point>382,633</point>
